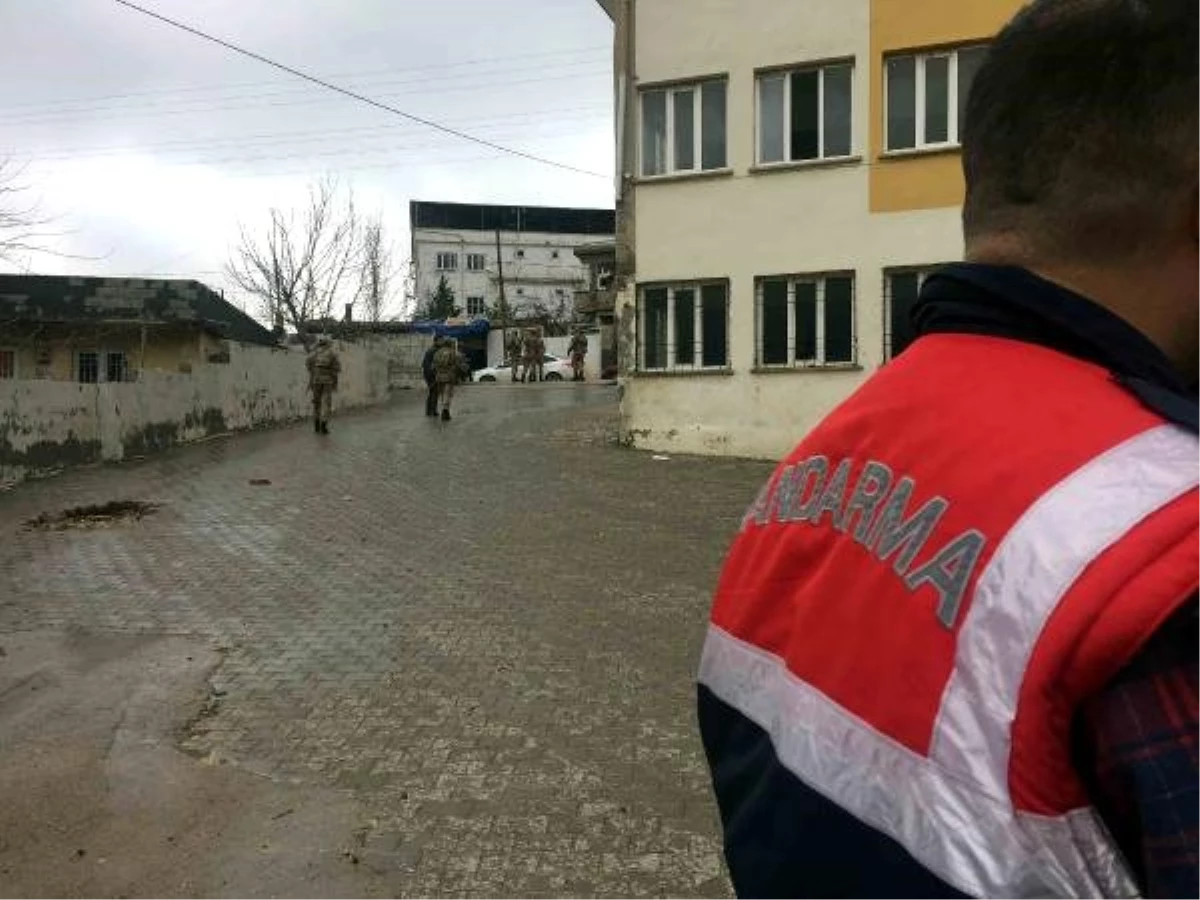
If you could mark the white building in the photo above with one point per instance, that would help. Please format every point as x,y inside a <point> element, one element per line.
<point>788,171</point>
<point>470,244</point>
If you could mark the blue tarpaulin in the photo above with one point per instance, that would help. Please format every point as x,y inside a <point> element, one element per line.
<point>476,328</point>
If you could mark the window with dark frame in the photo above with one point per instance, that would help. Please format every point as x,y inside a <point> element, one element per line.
<point>684,326</point>
<point>805,113</point>
<point>901,288</point>
<point>806,320</point>
<point>683,128</point>
<point>8,364</point>
<point>476,306</point>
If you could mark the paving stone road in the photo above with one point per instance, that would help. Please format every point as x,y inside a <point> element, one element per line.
<point>485,631</point>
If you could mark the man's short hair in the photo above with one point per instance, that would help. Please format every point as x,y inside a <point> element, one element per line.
<point>1080,132</point>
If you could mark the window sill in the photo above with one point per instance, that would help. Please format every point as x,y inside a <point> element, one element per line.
<point>909,152</point>
<point>800,368</point>
<point>681,373</point>
<point>684,176</point>
<point>793,164</point>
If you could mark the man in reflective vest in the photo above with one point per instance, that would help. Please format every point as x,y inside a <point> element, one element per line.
<point>953,649</point>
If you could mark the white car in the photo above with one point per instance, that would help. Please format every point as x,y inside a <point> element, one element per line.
<point>555,369</point>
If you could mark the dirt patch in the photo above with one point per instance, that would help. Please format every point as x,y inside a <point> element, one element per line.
<point>96,516</point>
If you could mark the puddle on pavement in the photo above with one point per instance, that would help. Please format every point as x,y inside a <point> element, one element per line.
<point>101,515</point>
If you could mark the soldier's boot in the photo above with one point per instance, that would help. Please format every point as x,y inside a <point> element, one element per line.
<point>317,425</point>
<point>324,428</point>
<point>445,415</point>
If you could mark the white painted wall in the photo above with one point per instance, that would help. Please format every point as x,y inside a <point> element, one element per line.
<point>48,424</point>
<point>743,225</point>
<point>532,278</point>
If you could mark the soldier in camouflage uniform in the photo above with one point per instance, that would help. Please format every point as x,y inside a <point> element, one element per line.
<point>526,354</point>
<point>445,371</point>
<point>513,351</point>
<point>578,349</point>
<point>535,351</point>
<point>323,370</point>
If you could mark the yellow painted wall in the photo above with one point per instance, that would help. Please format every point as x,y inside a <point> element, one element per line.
<point>927,180</point>
<point>166,351</point>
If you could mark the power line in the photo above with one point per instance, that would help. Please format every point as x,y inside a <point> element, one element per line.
<point>304,95</point>
<point>319,136</point>
<point>422,148</point>
<point>356,96</point>
<point>364,74</point>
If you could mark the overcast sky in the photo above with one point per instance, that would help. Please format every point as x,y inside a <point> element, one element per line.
<point>149,145</point>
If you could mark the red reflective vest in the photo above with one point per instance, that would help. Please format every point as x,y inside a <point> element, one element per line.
<point>933,580</point>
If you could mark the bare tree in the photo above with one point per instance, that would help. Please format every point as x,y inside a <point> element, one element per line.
<point>305,262</point>
<point>22,225</point>
<point>555,318</point>
<point>409,301</point>
<point>376,273</point>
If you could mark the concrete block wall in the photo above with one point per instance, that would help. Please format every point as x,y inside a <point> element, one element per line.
<point>48,425</point>
<point>400,355</point>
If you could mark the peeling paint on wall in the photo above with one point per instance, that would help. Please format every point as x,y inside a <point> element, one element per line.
<point>47,425</point>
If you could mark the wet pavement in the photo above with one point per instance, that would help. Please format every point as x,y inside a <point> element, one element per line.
<point>473,643</point>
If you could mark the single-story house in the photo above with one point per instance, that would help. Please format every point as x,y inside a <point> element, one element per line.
<point>91,330</point>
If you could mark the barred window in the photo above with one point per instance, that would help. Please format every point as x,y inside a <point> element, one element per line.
<point>116,367</point>
<point>805,320</point>
<point>8,363</point>
<point>95,366</point>
<point>87,366</point>
<point>684,326</point>
<point>901,287</point>
<point>476,306</point>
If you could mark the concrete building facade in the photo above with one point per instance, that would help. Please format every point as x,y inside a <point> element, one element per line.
<point>470,243</point>
<point>788,173</point>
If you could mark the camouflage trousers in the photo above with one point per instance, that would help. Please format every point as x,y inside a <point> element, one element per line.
<point>322,397</point>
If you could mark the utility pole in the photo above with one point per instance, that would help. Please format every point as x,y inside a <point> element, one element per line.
<point>503,302</point>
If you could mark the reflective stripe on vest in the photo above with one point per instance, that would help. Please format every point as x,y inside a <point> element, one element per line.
<point>951,809</point>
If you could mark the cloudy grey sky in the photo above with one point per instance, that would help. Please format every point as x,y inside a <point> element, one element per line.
<point>149,145</point>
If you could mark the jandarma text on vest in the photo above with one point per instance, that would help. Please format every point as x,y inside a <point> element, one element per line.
<point>877,511</point>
